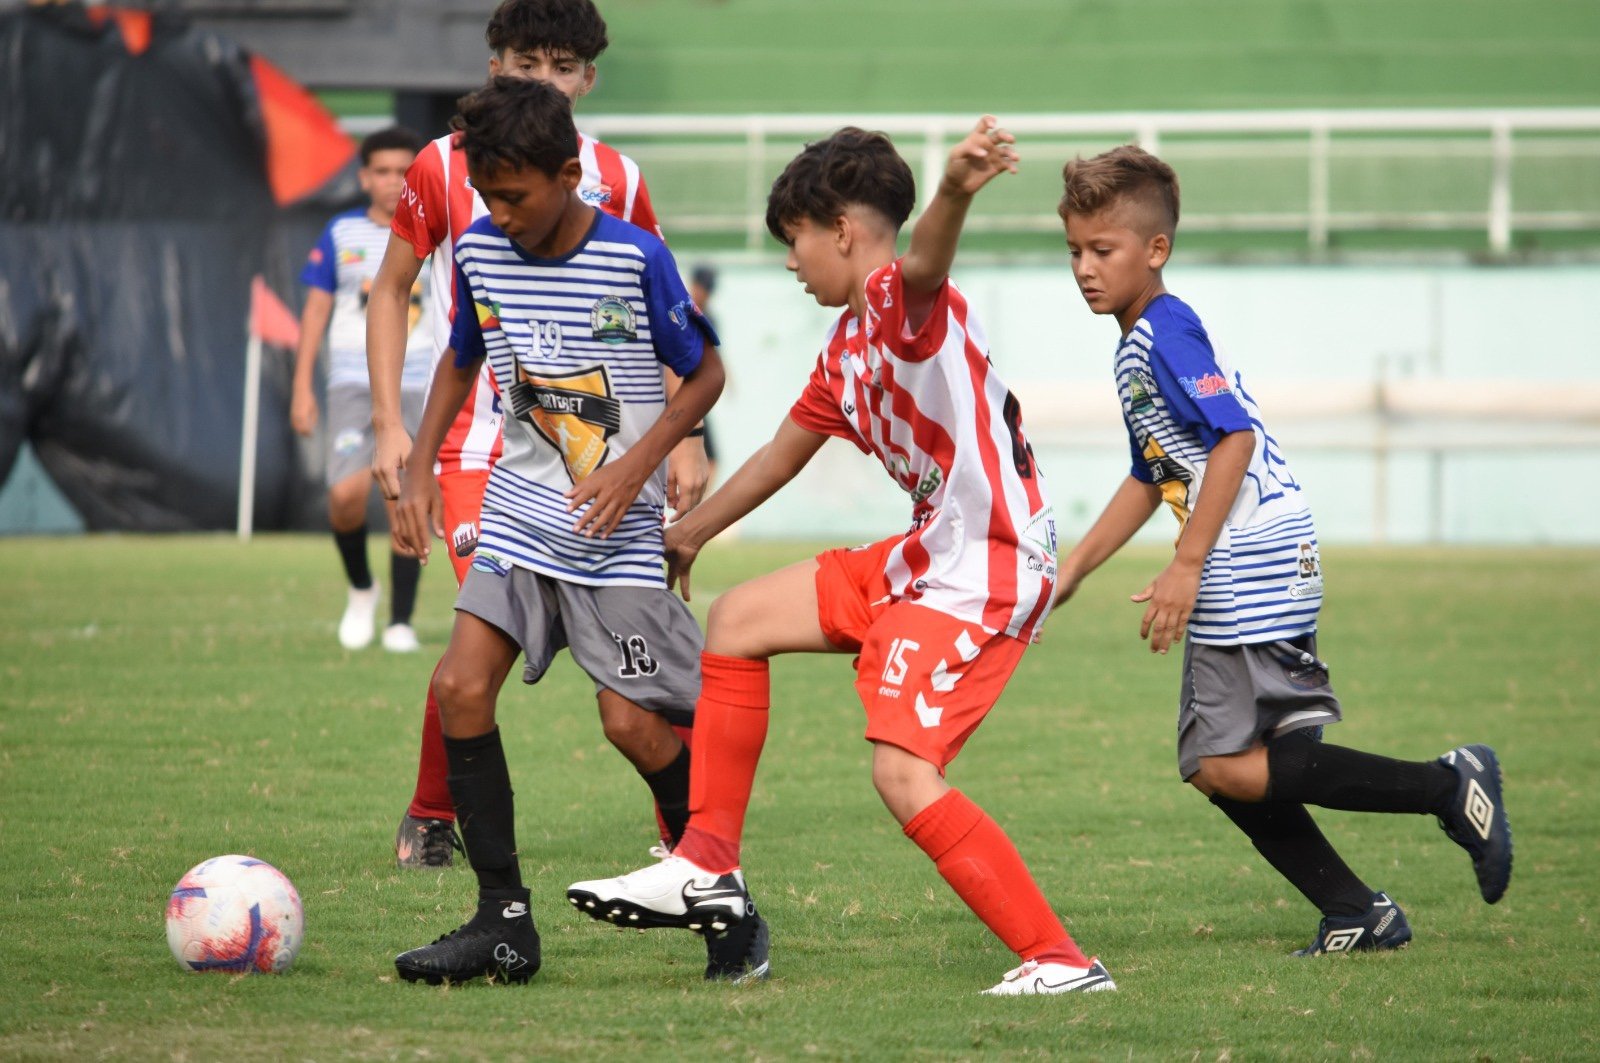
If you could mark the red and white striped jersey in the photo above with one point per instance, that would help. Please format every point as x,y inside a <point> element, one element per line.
<point>436,206</point>
<point>930,406</point>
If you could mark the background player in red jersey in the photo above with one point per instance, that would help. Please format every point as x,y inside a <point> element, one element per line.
<point>939,616</point>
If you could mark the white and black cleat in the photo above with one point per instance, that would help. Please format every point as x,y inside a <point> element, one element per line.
<point>673,893</point>
<point>1477,820</point>
<point>1034,979</point>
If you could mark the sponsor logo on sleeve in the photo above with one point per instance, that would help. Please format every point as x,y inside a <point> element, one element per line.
<point>1206,386</point>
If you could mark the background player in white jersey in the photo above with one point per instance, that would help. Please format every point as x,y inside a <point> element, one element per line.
<point>938,616</point>
<point>338,277</point>
<point>555,41</point>
<point>576,313</point>
<point>1245,585</point>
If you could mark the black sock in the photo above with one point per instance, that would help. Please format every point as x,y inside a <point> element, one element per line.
<point>670,787</point>
<point>1301,770</point>
<point>353,552</point>
<point>496,906</point>
<point>403,574</point>
<point>480,787</point>
<point>1291,842</point>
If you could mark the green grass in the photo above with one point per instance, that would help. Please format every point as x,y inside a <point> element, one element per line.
<point>168,699</point>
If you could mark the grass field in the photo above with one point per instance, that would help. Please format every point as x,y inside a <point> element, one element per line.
<point>169,699</point>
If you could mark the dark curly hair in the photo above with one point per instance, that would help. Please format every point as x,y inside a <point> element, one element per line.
<point>1125,175</point>
<point>517,123</point>
<point>394,138</point>
<point>558,26</point>
<point>852,167</point>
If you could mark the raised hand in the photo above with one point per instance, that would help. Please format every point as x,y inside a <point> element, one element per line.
<point>984,153</point>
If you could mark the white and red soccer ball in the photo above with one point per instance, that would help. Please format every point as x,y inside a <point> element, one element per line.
<point>236,914</point>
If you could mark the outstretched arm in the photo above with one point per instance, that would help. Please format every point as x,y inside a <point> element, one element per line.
<point>757,480</point>
<point>982,155</point>
<point>1125,514</point>
<point>388,315</point>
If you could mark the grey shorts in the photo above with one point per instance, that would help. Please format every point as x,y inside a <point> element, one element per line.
<point>1234,697</point>
<point>641,642</point>
<point>350,427</point>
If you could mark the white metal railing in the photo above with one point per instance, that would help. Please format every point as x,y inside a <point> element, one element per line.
<point>1470,158</point>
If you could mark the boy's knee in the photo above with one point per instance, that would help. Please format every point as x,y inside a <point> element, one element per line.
<point>1241,777</point>
<point>459,691</point>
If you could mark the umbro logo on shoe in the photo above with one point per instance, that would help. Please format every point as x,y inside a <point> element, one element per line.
<point>1479,810</point>
<point>1342,940</point>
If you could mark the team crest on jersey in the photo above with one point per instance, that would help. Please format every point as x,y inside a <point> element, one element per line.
<point>1141,390</point>
<point>611,320</point>
<point>574,412</point>
<point>349,256</point>
<point>464,539</point>
<point>599,195</point>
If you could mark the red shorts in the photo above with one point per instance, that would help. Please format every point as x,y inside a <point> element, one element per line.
<point>463,501</point>
<point>925,678</point>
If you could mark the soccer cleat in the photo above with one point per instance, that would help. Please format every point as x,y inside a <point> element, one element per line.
<point>1477,820</point>
<point>499,942</point>
<point>1382,926</point>
<point>400,638</point>
<point>1043,979</point>
<point>355,627</point>
<point>672,893</point>
<point>425,843</point>
<point>741,954</point>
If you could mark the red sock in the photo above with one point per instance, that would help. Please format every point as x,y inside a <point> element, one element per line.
<point>431,800</point>
<point>986,871</point>
<point>730,727</point>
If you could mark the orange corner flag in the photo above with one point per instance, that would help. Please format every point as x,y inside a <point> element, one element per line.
<point>270,319</point>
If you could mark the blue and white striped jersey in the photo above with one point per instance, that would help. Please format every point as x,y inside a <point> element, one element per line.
<point>576,345</point>
<point>1263,578</point>
<point>343,263</point>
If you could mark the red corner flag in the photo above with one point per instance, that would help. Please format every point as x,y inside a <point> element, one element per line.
<point>273,322</point>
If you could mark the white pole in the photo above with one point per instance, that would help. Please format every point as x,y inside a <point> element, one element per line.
<point>247,438</point>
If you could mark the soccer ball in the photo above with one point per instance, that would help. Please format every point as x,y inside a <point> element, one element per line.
<point>234,913</point>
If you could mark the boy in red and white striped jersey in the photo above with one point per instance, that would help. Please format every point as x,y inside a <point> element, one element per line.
<point>938,616</point>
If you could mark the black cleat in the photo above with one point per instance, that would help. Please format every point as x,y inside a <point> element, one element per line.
<point>741,954</point>
<point>1477,820</point>
<point>1382,926</point>
<point>425,843</point>
<point>500,943</point>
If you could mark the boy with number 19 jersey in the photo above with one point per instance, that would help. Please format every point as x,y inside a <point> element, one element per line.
<point>436,207</point>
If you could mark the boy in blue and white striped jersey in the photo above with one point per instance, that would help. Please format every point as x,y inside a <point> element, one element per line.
<point>1244,587</point>
<point>577,313</point>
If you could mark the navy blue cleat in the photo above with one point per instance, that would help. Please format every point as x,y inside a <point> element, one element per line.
<point>1476,819</point>
<point>1382,926</point>
<point>742,953</point>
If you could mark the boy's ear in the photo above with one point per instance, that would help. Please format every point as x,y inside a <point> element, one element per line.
<point>590,72</point>
<point>494,64</point>
<point>1160,250</point>
<point>571,173</point>
<point>844,233</point>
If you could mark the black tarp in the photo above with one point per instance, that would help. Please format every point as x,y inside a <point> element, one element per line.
<point>135,207</point>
